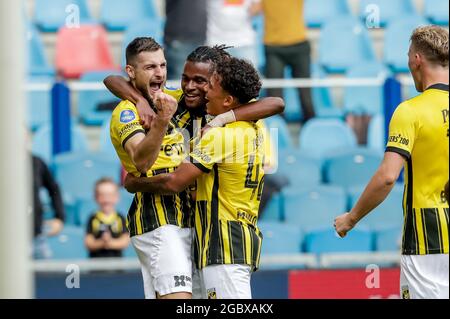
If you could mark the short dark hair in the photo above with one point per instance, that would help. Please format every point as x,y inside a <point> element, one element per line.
<point>209,54</point>
<point>104,180</point>
<point>239,78</point>
<point>142,44</point>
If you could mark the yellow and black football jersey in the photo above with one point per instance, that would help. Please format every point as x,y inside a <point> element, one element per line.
<point>150,211</point>
<point>419,131</point>
<point>228,195</point>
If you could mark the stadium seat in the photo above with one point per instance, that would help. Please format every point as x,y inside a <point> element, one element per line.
<point>37,61</point>
<point>105,139</point>
<point>321,136</point>
<point>88,101</point>
<point>327,241</point>
<point>314,207</point>
<point>143,28</point>
<point>43,146</point>
<point>258,25</point>
<point>77,173</point>
<point>117,15</point>
<point>379,13</point>
<point>281,136</point>
<point>272,211</point>
<point>388,214</point>
<point>280,238</point>
<point>39,104</point>
<point>343,42</point>
<point>69,244</point>
<point>318,12</point>
<point>396,42</point>
<point>437,11</point>
<point>376,134</point>
<point>129,252</point>
<point>82,50</point>
<point>365,100</point>
<point>300,169</point>
<point>352,167</point>
<point>50,15</point>
<point>389,239</point>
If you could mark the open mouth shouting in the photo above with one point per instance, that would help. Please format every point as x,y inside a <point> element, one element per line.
<point>155,87</point>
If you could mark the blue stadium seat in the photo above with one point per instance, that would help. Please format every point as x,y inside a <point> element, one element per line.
<point>437,11</point>
<point>280,238</point>
<point>129,252</point>
<point>88,101</point>
<point>300,169</point>
<point>272,211</point>
<point>318,12</point>
<point>321,136</point>
<point>410,92</point>
<point>105,139</point>
<point>258,25</point>
<point>385,11</point>
<point>314,207</point>
<point>39,103</point>
<point>375,134</point>
<point>343,42</point>
<point>323,103</point>
<point>353,167</point>
<point>37,61</point>
<point>69,244</point>
<point>77,173</point>
<point>50,15</point>
<point>396,42</point>
<point>282,138</point>
<point>389,239</point>
<point>326,241</point>
<point>365,100</point>
<point>117,15</point>
<point>143,28</point>
<point>42,142</point>
<point>388,214</point>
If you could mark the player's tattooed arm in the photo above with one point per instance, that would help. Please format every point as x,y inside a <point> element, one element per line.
<point>164,184</point>
<point>123,89</point>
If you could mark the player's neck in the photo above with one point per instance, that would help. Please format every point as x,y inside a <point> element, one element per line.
<point>435,76</point>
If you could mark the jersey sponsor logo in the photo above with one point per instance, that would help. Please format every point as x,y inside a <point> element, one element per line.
<point>205,158</point>
<point>399,139</point>
<point>445,115</point>
<point>126,116</point>
<point>171,149</point>
<point>212,293</point>
<point>128,128</point>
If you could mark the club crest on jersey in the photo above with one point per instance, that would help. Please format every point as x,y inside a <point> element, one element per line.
<point>127,116</point>
<point>212,293</point>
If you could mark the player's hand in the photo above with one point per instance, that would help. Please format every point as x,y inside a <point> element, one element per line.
<point>54,226</point>
<point>146,113</point>
<point>166,106</point>
<point>106,237</point>
<point>343,224</point>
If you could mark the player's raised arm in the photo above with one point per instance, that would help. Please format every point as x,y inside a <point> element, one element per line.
<point>165,184</point>
<point>144,149</point>
<point>124,90</point>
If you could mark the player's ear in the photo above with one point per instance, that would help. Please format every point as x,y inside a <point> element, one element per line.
<point>229,101</point>
<point>130,71</point>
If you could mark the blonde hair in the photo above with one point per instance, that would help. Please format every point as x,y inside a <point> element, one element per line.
<point>432,42</point>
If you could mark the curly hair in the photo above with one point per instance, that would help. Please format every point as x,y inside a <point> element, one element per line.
<point>432,41</point>
<point>239,78</point>
<point>209,54</point>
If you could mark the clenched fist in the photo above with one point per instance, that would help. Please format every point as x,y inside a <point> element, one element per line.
<point>166,106</point>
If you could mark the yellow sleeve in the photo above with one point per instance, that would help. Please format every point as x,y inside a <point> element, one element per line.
<point>177,93</point>
<point>125,122</point>
<point>211,149</point>
<point>402,130</point>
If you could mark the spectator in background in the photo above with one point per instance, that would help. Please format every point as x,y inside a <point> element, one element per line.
<point>286,44</point>
<point>42,177</point>
<point>230,22</point>
<point>106,234</point>
<point>185,30</point>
